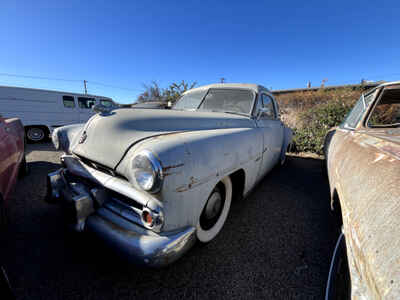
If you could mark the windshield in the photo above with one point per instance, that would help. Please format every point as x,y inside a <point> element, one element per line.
<point>190,100</point>
<point>355,115</point>
<point>219,100</point>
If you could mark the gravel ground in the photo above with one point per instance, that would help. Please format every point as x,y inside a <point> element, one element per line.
<point>276,244</point>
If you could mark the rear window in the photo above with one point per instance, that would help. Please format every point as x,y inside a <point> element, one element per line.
<point>69,101</point>
<point>86,103</point>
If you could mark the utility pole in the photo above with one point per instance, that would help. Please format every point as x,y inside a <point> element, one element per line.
<point>222,79</point>
<point>84,85</point>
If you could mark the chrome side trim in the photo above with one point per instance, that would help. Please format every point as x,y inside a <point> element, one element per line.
<point>128,212</point>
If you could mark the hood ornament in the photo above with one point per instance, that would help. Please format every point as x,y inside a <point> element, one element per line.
<point>83,138</point>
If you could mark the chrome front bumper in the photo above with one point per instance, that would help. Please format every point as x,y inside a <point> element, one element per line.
<point>88,208</point>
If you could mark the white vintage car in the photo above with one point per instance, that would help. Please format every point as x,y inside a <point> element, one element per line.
<point>151,182</point>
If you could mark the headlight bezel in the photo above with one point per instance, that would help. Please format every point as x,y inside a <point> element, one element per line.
<point>156,170</point>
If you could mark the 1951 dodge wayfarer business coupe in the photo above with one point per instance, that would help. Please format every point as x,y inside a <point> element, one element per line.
<point>363,162</point>
<point>151,182</point>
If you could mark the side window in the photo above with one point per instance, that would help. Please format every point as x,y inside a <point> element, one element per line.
<point>269,105</point>
<point>106,103</point>
<point>387,111</point>
<point>69,101</point>
<point>86,103</point>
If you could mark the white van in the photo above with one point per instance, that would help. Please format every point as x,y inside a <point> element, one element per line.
<point>42,110</point>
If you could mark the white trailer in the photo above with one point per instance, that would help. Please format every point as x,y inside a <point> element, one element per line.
<point>43,110</point>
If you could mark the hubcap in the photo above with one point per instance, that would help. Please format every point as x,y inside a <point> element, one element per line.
<point>214,205</point>
<point>35,134</point>
<point>213,209</point>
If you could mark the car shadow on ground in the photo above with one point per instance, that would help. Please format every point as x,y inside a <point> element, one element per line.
<point>275,244</point>
<point>44,146</point>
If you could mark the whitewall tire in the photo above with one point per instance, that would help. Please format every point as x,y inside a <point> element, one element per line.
<point>215,212</point>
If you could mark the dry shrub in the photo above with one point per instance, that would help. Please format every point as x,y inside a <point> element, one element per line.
<point>311,113</point>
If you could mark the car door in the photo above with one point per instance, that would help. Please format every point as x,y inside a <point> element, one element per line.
<point>270,124</point>
<point>85,105</point>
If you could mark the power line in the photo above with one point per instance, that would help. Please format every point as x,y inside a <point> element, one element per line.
<point>70,80</point>
<point>38,77</point>
<point>113,86</point>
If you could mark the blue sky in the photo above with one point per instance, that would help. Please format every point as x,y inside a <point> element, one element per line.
<point>279,44</point>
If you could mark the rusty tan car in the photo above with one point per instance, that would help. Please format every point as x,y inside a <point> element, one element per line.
<point>363,163</point>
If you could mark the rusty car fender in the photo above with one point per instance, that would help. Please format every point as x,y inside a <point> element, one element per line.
<point>364,172</point>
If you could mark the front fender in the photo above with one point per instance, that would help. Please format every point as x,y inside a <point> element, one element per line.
<point>66,136</point>
<point>194,162</point>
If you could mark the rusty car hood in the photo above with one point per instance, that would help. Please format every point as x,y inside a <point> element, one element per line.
<point>106,138</point>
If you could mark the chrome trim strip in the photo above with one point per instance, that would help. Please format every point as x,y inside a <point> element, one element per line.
<point>128,212</point>
<point>118,185</point>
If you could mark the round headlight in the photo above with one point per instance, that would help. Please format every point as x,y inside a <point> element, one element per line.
<point>147,171</point>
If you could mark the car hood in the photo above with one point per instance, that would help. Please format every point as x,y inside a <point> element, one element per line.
<point>106,138</point>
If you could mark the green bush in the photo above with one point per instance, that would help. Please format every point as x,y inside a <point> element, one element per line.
<point>314,124</point>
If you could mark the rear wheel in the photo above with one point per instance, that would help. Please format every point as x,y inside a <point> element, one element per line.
<point>215,212</point>
<point>339,284</point>
<point>36,134</point>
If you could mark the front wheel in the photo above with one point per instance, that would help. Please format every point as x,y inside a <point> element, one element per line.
<point>215,212</point>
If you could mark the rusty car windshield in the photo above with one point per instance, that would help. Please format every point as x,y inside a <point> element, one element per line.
<point>234,101</point>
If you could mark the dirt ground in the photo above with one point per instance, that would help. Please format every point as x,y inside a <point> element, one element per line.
<point>276,244</point>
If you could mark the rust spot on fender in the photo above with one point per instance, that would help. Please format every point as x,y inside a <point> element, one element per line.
<point>173,166</point>
<point>181,189</point>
